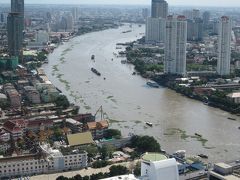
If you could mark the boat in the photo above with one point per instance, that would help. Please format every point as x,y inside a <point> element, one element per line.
<point>95,71</point>
<point>104,78</point>
<point>232,119</point>
<point>149,124</point>
<point>239,127</point>
<point>203,156</point>
<point>153,84</point>
<point>134,73</point>
<point>92,57</point>
<point>199,135</point>
<point>126,31</point>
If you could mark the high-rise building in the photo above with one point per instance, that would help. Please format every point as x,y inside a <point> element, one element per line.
<point>15,33</point>
<point>206,18</point>
<point>75,13</point>
<point>15,27</point>
<point>2,18</point>
<point>195,29</point>
<point>224,46</point>
<point>17,6</point>
<point>195,13</point>
<point>175,45</point>
<point>159,9</point>
<point>155,29</point>
<point>145,13</point>
<point>215,26</point>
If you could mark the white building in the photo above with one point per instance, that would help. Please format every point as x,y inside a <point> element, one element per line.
<point>175,45</point>
<point>158,167</point>
<point>4,147</point>
<point>49,161</point>
<point>155,29</point>
<point>4,135</point>
<point>224,46</point>
<point>123,177</point>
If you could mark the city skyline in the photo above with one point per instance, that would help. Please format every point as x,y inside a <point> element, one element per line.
<point>230,3</point>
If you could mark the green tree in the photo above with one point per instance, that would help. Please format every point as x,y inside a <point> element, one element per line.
<point>106,151</point>
<point>99,164</point>
<point>137,169</point>
<point>62,178</point>
<point>117,170</point>
<point>145,144</point>
<point>62,101</point>
<point>86,178</point>
<point>113,133</point>
<point>91,150</point>
<point>77,177</point>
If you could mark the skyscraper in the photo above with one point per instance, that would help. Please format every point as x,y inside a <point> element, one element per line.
<point>159,9</point>
<point>15,27</point>
<point>206,18</point>
<point>15,33</point>
<point>175,45</point>
<point>195,29</point>
<point>224,46</point>
<point>155,29</point>
<point>145,13</point>
<point>17,6</point>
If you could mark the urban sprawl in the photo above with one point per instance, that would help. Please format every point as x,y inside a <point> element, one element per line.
<point>195,52</point>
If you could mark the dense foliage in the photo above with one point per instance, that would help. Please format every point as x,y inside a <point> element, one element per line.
<point>145,144</point>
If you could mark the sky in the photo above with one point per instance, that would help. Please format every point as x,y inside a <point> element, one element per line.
<point>229,3</point>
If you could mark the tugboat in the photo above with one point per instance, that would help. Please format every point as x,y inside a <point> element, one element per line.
<point>199,135</point>
<point>152,84</point>
<point>149,124</point>
<point>95,71</point>
<point>203,156</point>
<point>233,119</point>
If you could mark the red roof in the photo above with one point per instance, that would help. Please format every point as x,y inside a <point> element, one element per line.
<point>37,123</point>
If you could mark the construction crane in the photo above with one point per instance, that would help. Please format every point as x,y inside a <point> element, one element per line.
<point>101,111</point>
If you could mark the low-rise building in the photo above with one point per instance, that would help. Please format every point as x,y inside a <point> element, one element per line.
<point>234,97</point>
<point>15,128</point>
<point>74,125</point>
<point>4,135</point>
<point>223,171</point>
<point>98,129</point>
<point>13,95</point>
<point>4,147</point>
<point>47,161</point>
<point>32,94</point>
<point>80,139</point>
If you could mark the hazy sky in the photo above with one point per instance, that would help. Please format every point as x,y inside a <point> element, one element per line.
<point>232,3</point>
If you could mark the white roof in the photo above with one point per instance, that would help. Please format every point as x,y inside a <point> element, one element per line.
<point>164,163</point>
<point>124,177</point>
<point>234,95</point>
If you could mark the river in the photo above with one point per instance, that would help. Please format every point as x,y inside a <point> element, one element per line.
<point>130,103</point>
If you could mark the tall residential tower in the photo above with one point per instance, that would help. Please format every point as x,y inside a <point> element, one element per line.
<point>175,45</point>
<point>159,9</point>
<point>224,46</point>
<point>15,27</point>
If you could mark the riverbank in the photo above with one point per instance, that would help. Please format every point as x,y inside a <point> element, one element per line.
<point>149,63</point>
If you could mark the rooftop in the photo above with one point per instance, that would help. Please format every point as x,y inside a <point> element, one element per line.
<point>80,139</point>
<point>153,157</point>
